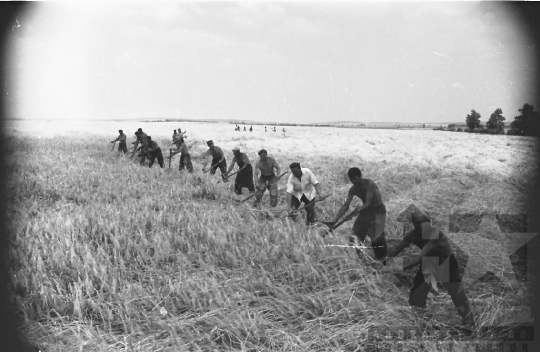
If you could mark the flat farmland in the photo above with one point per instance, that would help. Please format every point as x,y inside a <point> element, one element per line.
<point>111,256</point>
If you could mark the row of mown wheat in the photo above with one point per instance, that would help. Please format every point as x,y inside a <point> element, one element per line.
<point>110,256</point>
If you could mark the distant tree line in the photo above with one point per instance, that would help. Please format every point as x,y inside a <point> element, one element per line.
<point>527,123</point>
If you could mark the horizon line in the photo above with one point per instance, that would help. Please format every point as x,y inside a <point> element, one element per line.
<point>161,119</point>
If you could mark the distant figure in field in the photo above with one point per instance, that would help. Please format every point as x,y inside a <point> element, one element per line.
<point>302,186</point>
<point>244,128</point>
<point>122,139</point>
<point>218,160</point>
<point>371,215</point>
<point>274,128</point>
<point>244,178</point>
<point>283,129</point>
<point>182,135</point>
<point>433,244</point>
<point>153,151</point>
<point>264,128</point>
<point>266,165</point>
<point>179,139</point>
<point>251,129</point>
<point>185,158</point>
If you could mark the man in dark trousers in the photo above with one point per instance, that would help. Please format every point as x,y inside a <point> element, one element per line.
<point>176,139</point>
<point>244,177</point>
<point>302,186</point>
<point>437,264</point>
<point>218,160</point>
<point>266,165</point>
<point>185,158</point>
<point>141,144</point>
<point>122,139</point>
<point>153,151</point>
<point>136,143</point>
<point>371,215</point>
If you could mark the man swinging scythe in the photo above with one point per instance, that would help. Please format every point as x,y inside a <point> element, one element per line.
<point>437,264</point>
<point>371,215</point>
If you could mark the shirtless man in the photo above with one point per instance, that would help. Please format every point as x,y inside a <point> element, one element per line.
<point>372,214</point>
<point>266,166</point>
<point>185,158</point>
<point>244,177</point>
<point>218,160</point>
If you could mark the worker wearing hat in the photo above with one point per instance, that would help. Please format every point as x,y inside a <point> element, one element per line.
<point>244,177</point>
<point>437,264</point>
<point>266,166</point>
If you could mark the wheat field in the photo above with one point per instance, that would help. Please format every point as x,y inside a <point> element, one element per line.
<point>110,256</point>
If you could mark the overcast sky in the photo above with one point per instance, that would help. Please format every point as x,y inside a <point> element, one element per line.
<point>284,62</point>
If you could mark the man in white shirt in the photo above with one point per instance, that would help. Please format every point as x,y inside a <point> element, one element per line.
<point>302,187</point>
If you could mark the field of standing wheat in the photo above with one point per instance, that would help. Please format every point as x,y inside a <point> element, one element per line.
<point>111,256</point>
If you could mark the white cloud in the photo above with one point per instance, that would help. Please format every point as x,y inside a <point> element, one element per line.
<point>347,9</point>
<point>255,15</point>
<point>429,10</point>
<point>301,25</point>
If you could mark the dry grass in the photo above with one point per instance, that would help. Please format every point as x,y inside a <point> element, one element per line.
<point>109,256</point>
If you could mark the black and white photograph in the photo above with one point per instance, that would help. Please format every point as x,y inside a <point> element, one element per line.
<point>270,176</point>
